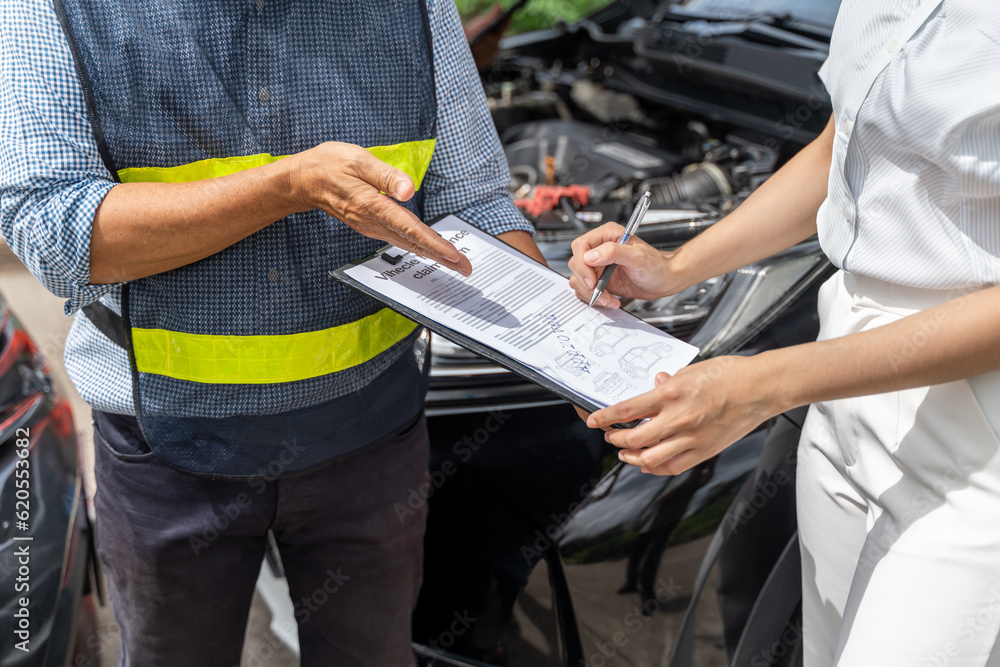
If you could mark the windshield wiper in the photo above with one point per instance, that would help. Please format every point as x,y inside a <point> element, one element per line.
<point>783,22</point>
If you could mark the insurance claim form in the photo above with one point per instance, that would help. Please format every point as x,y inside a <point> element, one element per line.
<point>524,312</point>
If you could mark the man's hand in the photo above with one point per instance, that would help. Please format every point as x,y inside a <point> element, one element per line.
<point>643,271</point>
<point>141,229</point>
<point>692,416</point>
<point>347,182</point>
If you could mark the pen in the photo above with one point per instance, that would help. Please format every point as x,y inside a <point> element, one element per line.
<point>640,210</point>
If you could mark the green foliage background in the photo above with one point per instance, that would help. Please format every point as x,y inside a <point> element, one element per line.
<point>537,14</point>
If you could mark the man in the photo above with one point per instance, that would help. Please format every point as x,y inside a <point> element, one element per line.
<point>236,388</point>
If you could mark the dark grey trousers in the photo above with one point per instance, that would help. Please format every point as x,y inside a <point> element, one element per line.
<point>182,553</point>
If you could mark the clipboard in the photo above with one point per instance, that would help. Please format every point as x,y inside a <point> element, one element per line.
<point>391,256</point>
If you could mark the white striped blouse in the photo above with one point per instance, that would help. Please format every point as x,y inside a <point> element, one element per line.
<point>914,194</point>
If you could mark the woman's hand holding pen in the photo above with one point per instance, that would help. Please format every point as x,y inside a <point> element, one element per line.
<point>707,406</point>
<point>643,271</point>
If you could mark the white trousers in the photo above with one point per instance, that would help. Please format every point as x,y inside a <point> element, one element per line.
<point>899,505</point>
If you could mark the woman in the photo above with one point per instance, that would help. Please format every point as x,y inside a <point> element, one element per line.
<point>899,463</point>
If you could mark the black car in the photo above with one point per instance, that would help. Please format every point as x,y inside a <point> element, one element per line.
<point>46,542</point>
<point>541,549</point>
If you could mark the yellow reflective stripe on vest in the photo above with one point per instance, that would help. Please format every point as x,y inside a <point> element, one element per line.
<point>411,157</point>
<point>270,359</point>
<point>267,359</point>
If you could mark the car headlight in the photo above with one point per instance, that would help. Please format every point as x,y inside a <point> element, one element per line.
<point>681,313</point>
<point>720,314</point>
<point>756,294</point>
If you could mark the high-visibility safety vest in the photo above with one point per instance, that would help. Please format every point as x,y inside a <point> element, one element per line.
<point>254,361</point>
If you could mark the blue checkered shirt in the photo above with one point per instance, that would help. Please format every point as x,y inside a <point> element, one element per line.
<point>52,178</point>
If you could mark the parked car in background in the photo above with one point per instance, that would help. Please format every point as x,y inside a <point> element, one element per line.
<point>46,542</point>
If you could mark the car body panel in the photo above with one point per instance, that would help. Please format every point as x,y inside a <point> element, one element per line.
<point>47,560</point>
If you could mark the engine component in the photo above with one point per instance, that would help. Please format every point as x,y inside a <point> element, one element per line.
<point>695,182</point>
<point>584,153</point>
<point>607,106</point>
<point>546,197</point>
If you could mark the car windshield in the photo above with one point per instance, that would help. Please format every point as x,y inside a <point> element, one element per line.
<point>823,12</point>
